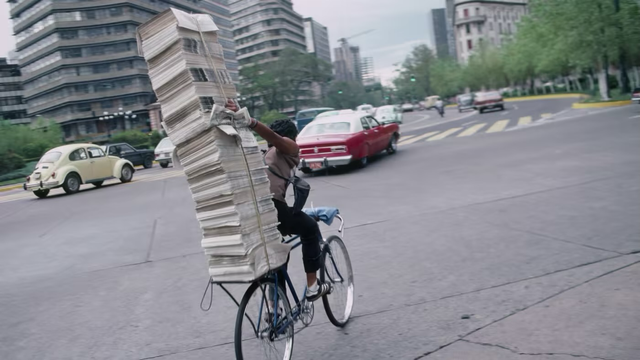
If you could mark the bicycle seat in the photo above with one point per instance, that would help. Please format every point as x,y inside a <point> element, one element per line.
<point>324,214</point>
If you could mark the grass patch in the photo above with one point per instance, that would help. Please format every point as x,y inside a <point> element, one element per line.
<point>17,176</point>
<point>12,182</point>
<point>616,95</point>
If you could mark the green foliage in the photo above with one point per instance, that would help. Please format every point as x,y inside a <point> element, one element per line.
<point>19,142</point>
<point>353,94</point>
<point>446,78</point>
<point>134,138</point>
<point>271,116</point>
<point>416,66</point>
<point>19,174</point>
<point>154,138</point>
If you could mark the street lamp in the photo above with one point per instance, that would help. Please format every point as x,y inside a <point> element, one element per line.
<point>108,117</point>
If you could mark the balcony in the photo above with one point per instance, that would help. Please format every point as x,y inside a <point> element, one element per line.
<point>471,19</point>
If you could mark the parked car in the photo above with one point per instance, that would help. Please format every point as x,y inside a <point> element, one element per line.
<point>488,100</point>
<point>345,139</point>
<point>464,101</point>
<point>366,108</point>
<point>163,152</point>
<point>430,102</point>
<point>635,95</point>
<point>407,107</point>
<point>69,166</point>
<point>303,117</point>
<point>388,114</point>
<point>137,157</point>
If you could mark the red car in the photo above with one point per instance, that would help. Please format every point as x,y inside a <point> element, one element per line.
<point>488,100</point>
<point>344,139</point>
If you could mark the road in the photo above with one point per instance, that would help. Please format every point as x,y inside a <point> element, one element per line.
<point>494,246</point>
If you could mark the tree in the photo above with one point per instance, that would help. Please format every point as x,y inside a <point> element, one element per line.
<point>20,143</point>
<point>413,81</point>
<point>446,77</point>
<point>346,95</point>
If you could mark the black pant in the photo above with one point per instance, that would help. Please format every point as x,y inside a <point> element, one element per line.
<point>303,225</point>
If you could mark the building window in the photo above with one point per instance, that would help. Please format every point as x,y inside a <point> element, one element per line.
<point>468,28</point>
<point>499,28</point>
<point>83,107</point>
<point>509,28</point>
<point>101,68</point>
<point>190,45</point>
<point>479,28</point>
<point>477,11</point>
<point>106,104</point>
<point>470,44</point>
<point>490,26</point>
<point>71,53</point>
<point>198,75</point>
<point>466,13</point>
<point>206,102</point>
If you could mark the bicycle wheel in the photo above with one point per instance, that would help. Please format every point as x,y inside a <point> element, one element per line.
<point>256,337</point>
<point>337,271</point>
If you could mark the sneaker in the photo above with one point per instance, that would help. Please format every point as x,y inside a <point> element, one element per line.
<point>321,290</point>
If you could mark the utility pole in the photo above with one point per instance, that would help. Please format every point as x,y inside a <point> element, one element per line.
<point>622,66</point>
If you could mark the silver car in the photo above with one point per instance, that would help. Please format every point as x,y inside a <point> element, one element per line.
<point>388,114</point>
<point>163,152</point>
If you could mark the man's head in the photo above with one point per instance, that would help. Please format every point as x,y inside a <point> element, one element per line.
<point>285,128</point>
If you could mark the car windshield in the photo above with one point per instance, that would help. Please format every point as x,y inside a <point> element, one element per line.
<point>50,157</point>
<point>326,128</point>
<point>385,110</point>
<point>166,142</point>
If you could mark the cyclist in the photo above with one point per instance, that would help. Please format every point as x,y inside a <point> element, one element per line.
<point>283,157</point>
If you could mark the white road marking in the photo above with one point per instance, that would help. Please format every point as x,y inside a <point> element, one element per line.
<point>421,137</point>
<point>515,107</point>
<point>504,113</point>
<point>635,117</point>
<point>444,134</point>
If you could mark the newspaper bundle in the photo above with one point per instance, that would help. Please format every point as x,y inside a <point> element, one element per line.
<point>219,154</point>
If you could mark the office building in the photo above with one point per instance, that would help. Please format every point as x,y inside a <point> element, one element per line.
<point>263,28</point>
<point>489,21</point>
<point>80,63</point>
<point>440,38</point>
<point>12,106</point>
<point>451,35</point>
<point>347,64</point>
<point>317,38</point>
<point>368,72</point>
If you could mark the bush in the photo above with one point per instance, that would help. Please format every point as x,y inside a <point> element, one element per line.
<point>10,161</point>
<point>134,138</point>
<point>270,116</point>
<point>19,174</point>
<point>154,138</point>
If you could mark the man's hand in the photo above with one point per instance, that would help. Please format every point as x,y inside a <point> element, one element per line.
<point>231,105</point>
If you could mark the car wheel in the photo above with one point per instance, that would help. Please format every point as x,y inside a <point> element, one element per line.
<point>480,111</point>
<point>71,184</point>
<point>41,193</point>
<point>148,162</point>
<point>127,174</point>
<point>306,170</point>
<point>98,184</point>
<point>502,107</point>
<point>393,145</point>
<point>164,164</point>
<point>362,162</point>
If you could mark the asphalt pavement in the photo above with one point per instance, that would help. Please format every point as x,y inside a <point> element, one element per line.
<point>499,245</point>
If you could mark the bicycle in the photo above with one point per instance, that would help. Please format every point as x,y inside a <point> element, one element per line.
<point>272,323</point>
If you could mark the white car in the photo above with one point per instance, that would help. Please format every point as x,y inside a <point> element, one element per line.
<point>163,152</point>
<point>407,107</point>
<point>366,108</point>
<point>388,114</point>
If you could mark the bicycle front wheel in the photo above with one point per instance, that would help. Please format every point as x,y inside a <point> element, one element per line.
<point>257,335</point>
<point>337,271</point>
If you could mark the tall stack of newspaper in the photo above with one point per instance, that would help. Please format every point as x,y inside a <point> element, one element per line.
<point>219,154</point>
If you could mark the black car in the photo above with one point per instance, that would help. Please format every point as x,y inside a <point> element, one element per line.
<point>142,157</point>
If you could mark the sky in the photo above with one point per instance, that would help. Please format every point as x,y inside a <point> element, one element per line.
<point>398,26</point>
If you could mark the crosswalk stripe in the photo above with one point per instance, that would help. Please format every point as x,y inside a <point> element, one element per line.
<point>546,115</point>
<point>498,126</point>
<point>524,120</point>
<point>472,130</point>
<point>444,134</point>
<point>421,137</point>
<point>405,138</point>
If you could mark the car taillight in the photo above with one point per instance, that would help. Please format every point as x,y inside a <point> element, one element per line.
<point>53,175</point>
<point>156,155</point>
<point>28,178</point>
<point>341,148</point>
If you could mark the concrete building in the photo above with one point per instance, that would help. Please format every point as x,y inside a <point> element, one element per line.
<point>489,21</point>
<point>317,38</point>
<point>451,35</point>
<point>347,64</point>
<point>263,28</point>
<point>368,71</point>
<point>12,106</point>
<point>440,37</point>
<point>80,64</point>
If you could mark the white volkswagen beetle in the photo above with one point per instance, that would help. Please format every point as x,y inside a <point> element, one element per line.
<point>69,166</point>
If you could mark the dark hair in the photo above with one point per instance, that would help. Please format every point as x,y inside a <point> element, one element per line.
<point>285,128</point>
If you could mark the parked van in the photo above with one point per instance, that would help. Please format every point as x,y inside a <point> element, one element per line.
<point>430,101</point>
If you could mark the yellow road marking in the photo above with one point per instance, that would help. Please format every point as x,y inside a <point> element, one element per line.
<point>421,137</point>
<point>405,138</point>
<point>546,115</point>
<point>444,134</point>
<point>524,120</point>
<point>472,130</point>
<point>498,126</point>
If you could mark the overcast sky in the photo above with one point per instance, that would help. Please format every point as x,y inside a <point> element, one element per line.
<point>399,26</point>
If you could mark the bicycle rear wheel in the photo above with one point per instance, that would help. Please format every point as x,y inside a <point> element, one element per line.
<point>337,271</point>
<point>256,337</point>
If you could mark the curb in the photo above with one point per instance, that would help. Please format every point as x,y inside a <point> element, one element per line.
<point>10,187</point>
<point>601,104</point>
<point>549,96</point>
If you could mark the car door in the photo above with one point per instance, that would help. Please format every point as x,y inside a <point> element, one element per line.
<point>80,160</point>
<point>368,143</point>
<point>131,154</point>
<point>379,137</point>
<point>100,163</point>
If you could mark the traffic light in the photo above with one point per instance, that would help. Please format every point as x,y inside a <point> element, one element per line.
<point>340,92</point>
<point>413,78</point>
<point>386,98</point>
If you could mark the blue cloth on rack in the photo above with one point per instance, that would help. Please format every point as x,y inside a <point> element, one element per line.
<point>324,214</point>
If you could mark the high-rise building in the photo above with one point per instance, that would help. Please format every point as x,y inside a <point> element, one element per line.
<point>263,28</point>
<point>488,21</point>
<point>80,63</point>
<point>317,38</point>
<point>12,106</point>
<point>368,71</point>
<point>451,35</point>
<point>441,41</point>
<point>347,64</point>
